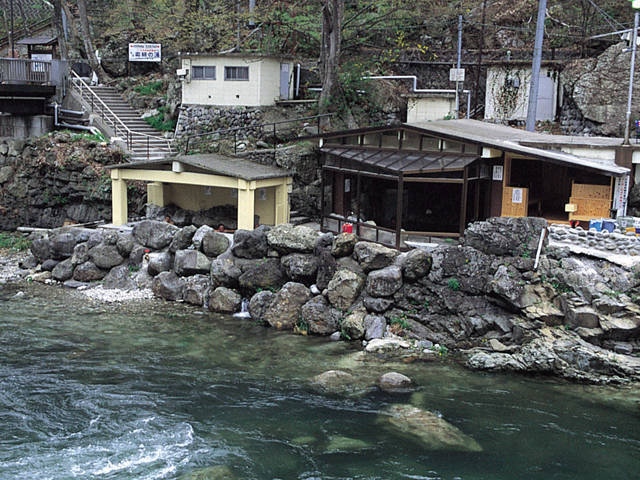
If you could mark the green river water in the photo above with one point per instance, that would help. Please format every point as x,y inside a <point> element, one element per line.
<point>161,390</point>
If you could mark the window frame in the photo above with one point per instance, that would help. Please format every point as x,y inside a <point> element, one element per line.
<point>236,69</point>
<point>203,69</point>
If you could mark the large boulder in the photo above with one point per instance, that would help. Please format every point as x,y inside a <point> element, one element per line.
<point>196,289</point>
<point>224,273</point>
<point>353,327</point>
<point>119,278</point>
<point>261,274</point>
<point>168,285</point>
<point>105,256</point>
<point>427,429</point>
<point>259,303</point>
<point>506,236</point>
<point>373,256</point>
<point>286,238</point>
<point>384,282</point>
<point>343,244</point>
<point>320,317</point>
<point>285,310</point>
<point>154,234</point>
<point>415,264</point>
<point>250,243</point>
<point>344,288</point>
<point>191,262</point>
<point>214,244</point>
<point>159,262</point>
<point>88,272</point>
<point>224,300</point>
<point>199,235</point>
<point>300,267</point>
<point>182,238</point>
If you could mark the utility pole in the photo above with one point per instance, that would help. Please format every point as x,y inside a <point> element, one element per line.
<point>635,4</point>
<point>458,66</point>
<point>535,67</point>
<point>11,40</point>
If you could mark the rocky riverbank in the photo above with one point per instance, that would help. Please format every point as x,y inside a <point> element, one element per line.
<point>485,301</point>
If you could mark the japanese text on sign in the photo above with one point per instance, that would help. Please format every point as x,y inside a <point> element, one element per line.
<point>145,52</point>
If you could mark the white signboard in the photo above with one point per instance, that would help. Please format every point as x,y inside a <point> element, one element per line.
<point>497,172</point>
<point>145,52</point>
<point>456,75</point>
<point>516,195</point>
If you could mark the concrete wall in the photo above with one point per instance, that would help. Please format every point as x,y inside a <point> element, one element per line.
<point>24,126</point>
<point>262,88</point>
<point>507,93</point>
<point>436,107</point>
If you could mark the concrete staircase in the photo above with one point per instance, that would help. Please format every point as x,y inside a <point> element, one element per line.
<point>120,121</point>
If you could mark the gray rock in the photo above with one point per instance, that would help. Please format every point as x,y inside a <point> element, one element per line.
<point>505,236</point>
<point>105,256</point>
<point>344,288</point>
<point>259,303</point>
<point>300,267</point>
<point>285,310</point>
<point>88,272</point>
<point>250,243</point>
<point>415,264</point>
<point>261,274</point>
<point>63,270</point>
<point>191,262</point>
<point>214,244</point>
<point>196,289</point>
<point>343,244</point>
<point>374,326</point>
<point>199,235</point>
<point>49,265</point>
<point>353,325</point>
<point>427,429</point>
<point>384,282</point>
<point>287,238</point>
<point>168,285</point>
<point>224,300</point>
<point>320,317</point>
<point>125,243</point>
<point>373,256</point>
<point>326,268</point>
<point>224,273</point>
<point>154,234</point>
<point>119,278</point>
<point>394,382</point>
<point>334,381</point>
<point>377,304</point>
<point>159,262</point>
<point>182,238</point>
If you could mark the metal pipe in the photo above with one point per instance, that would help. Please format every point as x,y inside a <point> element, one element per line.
<point>535,67</point>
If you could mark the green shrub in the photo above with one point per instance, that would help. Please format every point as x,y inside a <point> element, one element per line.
<point>453,284</point>
<point>149,89</point>
<point>14,241</point>
<point>159,122</point>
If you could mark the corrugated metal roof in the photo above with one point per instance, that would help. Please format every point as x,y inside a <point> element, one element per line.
<point>405,162</point>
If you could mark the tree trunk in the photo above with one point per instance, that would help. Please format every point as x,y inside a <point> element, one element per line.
<point>88,43</point>
<point>332,13</point>
<point>58,25</point>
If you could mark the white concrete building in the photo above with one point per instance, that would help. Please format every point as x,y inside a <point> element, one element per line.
<point>235,79</point>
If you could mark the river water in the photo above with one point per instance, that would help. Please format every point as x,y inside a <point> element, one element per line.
<point>162,390</point>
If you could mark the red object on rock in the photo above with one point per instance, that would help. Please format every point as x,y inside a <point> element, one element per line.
<point>347,228</point>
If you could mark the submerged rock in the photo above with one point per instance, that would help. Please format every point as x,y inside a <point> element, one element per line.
<point>427,429</point>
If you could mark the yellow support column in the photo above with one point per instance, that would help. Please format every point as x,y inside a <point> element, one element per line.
<point>246,205</point>
<point>119,213</point>
<point>155,194</point>
<point>282,201</point>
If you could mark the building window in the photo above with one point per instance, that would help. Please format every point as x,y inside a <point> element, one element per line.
<point>236,73</point>
<point>203,73</point>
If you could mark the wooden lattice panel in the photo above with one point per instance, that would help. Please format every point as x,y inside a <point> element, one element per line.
<point>591,201</point>
<point>511,208</point>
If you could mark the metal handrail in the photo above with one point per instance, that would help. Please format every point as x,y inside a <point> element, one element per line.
<point>235,130</point>
<point>114,122</point>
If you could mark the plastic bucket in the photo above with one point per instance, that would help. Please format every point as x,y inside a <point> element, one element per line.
<point>347,228</point>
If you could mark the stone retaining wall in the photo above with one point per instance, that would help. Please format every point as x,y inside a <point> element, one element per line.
<point>611,242</point>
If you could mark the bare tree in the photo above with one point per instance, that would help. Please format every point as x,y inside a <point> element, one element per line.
<point>332,14</point>
<point>85,31</point>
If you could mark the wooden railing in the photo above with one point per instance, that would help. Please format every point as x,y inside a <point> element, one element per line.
<point>22,71</point>
<point>112,121</point>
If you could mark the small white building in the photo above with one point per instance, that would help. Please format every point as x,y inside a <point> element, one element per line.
<point>235,79</point>
<point>431,106</point>
<point>507,92</point>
